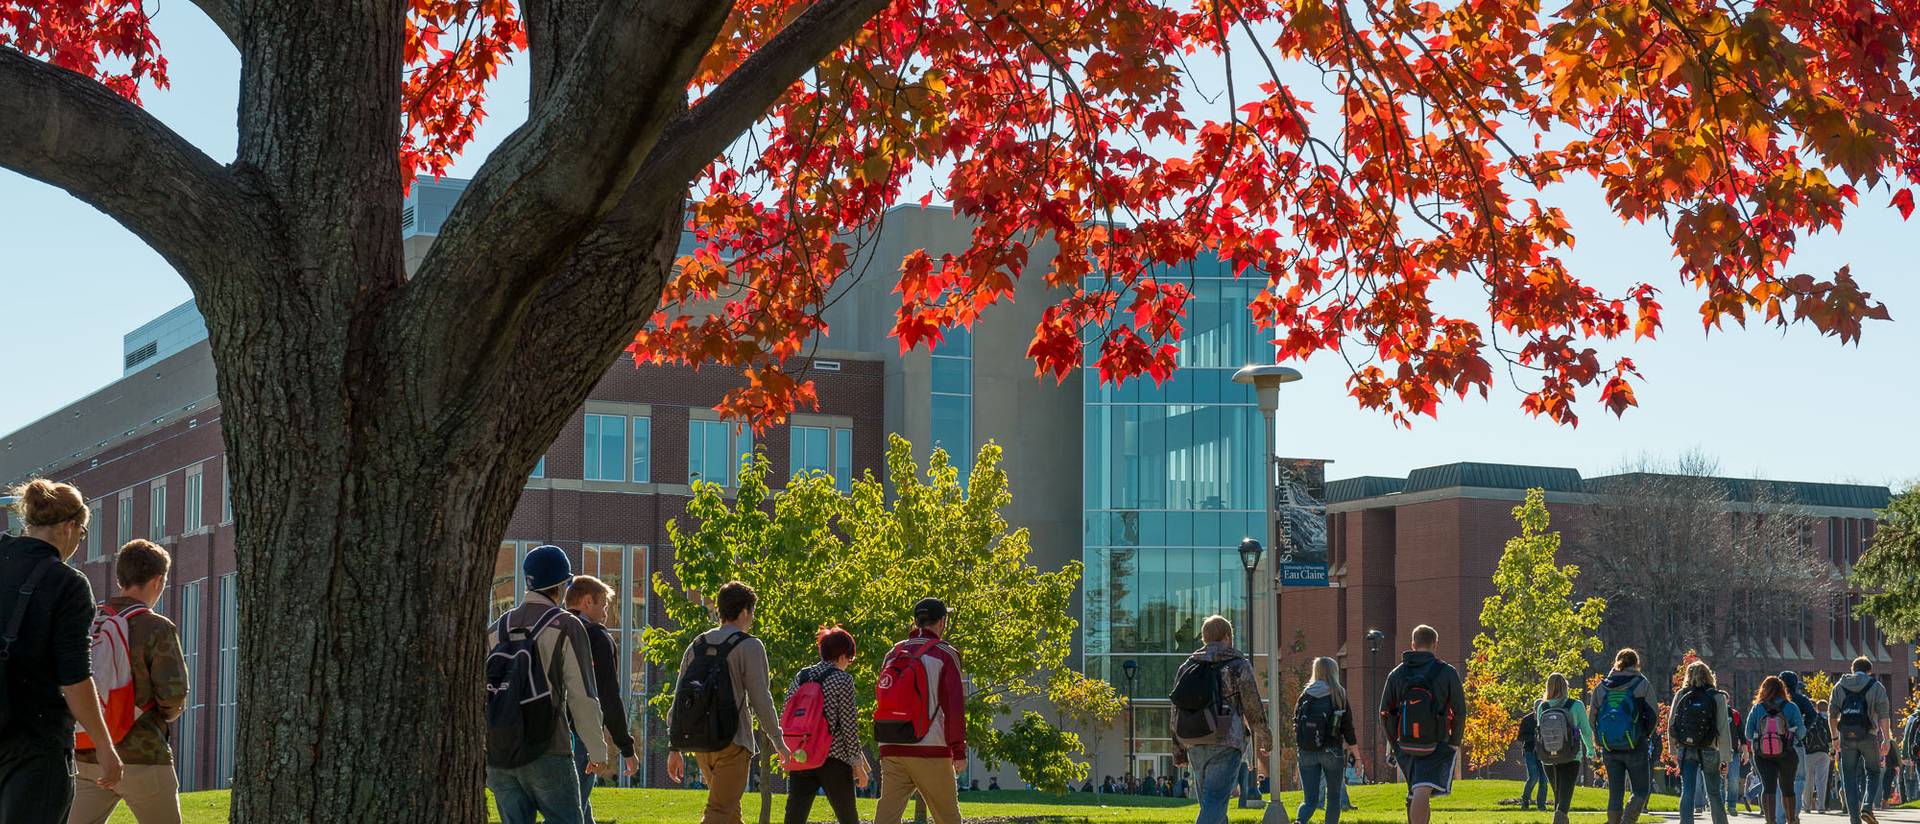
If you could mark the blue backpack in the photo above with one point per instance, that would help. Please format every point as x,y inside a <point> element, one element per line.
<point>521,716</point>
<point>1619,728</point>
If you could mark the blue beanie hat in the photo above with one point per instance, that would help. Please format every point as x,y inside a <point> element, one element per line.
<point>546,566</point>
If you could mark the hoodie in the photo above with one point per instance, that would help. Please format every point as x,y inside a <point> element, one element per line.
<point>1879,707</point>
<point>1446,689</point>
<point>1343,710</point>
<point>1798,692</point>
<point>1626,679</point>
<point>1238,685</point>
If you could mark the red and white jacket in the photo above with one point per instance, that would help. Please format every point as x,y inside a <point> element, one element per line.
<point>947,736</point>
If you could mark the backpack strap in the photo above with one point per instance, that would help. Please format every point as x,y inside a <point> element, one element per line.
<point>19,615</point>
<point>726,647</point>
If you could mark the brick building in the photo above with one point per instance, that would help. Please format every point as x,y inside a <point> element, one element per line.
<point>1422,549</point>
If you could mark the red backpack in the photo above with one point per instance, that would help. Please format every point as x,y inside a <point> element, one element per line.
<point>112,674</point>
<point>902,714</point>
<point>803,723</point>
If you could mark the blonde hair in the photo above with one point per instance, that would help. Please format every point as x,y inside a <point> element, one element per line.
<point>1700,675</point>
<point>1556,687</point>
<point>1215,629</point>
<point>586,586</point>
<point>1328,670</point>
<point>46,503</point>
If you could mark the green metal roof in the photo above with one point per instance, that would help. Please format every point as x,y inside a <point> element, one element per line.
<point>1495,476</point>
<point>1750,490</point>
<point>1364,486</point>
<point>1561,479</point>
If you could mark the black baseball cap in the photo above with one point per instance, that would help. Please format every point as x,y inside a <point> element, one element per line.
<point>929,610</point>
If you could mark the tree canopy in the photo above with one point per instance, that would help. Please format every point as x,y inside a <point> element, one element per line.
<point>1889,572</point>
<point>1531,627</point>
<point>860,559</point>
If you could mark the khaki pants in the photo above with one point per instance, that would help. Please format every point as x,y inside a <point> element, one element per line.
<point>932,777</point>
<point>152,793</point>
<point>726,775</point>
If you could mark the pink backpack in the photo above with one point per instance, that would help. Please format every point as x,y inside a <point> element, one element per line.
<point>1776,737</point>
<point>803,724</point>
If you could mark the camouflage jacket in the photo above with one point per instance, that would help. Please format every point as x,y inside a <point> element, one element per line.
<point>159,683</point>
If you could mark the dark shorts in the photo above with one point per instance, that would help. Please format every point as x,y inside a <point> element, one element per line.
<point>1433,770</point>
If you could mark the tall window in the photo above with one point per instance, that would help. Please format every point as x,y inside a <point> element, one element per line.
<point>226,491</point>
<point>158,529</point>
<point>125,524</point>
<point>715,450</point>
<point>226,714</point>
<point>93,534</point>
<point>606,448</point>
<point>187,732</point>
<point>642,449</point>
<point>826,450</point>
<point>539,469</point>
<point>952,398</point>
<point>506,581</point>
<point>192,503</point>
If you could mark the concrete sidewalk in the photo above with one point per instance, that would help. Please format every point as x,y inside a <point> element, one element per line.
<point>1885,816</point>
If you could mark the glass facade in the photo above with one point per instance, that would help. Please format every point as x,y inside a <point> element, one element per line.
<point>1172,482</point>
<point>709,456</point>
<point>952,399</point>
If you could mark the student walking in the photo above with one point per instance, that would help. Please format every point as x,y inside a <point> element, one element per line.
<point>1774,727</point>
<point>1700,724</point>
<point>146,689</point>
<point>589,599</point>
<point>1563,741</point>
<point>1424,711</point>
<point>920,720</point>
<point>1818,766</point>
<point>1797,693</point>
<point>1863,725</point>
<point>530,733</point>
<point>1323,729</point>
<point>46,667</point>
<point>721,694</point>
<point>1624,715</point>
<point>1216,703</point>
<point>1741,764</point>
<point>821,725</point>
<point>1528,738</point>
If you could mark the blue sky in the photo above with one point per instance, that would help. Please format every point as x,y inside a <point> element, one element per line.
<point>1766,402</point>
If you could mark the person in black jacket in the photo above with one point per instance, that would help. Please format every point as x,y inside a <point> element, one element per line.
<point>1424,710</point>
<point>1323,712</point>
<point>1536,771</point>
<point>589,598</point>
<point>48,660</point>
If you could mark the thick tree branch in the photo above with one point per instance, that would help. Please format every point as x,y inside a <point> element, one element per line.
<point>63,129</point>
<point>224,15</point>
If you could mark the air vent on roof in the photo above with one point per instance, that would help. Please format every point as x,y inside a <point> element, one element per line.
<point>406,218</point>
<point>142,354</point>
<point>827,365</point>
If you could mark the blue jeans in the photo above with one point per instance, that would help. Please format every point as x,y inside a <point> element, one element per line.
<point>1216,769</point>
<point>1624,768</point>
<point>1736,782</point>
<point>546,786</point>
<point>1536,777</point>
<point>1859,774</point>
<point>586,781</point>
<point>1700,775</point>
<point>1321,769</point>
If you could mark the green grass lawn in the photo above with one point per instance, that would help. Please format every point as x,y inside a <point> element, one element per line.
<point>1473,802</point>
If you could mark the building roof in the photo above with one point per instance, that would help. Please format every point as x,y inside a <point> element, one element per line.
<point>151,397</point>
<point>1363,486</point>
<point>1567,480</point>
<point>1494,476</point>
<point>1753,490</point>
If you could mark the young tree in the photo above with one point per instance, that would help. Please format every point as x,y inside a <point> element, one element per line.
<point>860,560</point>
<point>778,131</point>
<point>1491,726</point>
<point>1890,570</point>
<point>1531,627</point>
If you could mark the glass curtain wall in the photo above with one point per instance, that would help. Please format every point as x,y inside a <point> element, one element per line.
<point>952,399</point>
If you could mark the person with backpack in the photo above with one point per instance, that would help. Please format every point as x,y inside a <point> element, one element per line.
<point>920,719</point>
<point>1797,693</point>
<point>1700,724</point>
<point>1740,766</point>
<point>1216,703</point>
<point>721,693</point>
<point>1624,715</point>
<point>589,599</point>
<point>820,723</point>
<point>46,663</point>
<point>540,694</point>
<point>1323,730</point>
<point>1528,738</point>
<point>1910,754</point>
<point>1774,728</point>
<point>1863,726</point>
<point>138,652</point>
<point>1562,741</point>
<point>1424,709</point>
<point>1819,763</point>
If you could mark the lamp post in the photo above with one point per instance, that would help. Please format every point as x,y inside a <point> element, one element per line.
<point>1250,552</point>
<point>1130,667</point>
<point>1374,637</point>
<point>1265,380</point>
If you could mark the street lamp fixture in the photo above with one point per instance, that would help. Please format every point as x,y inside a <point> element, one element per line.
<point>1374,637</point>
<point>1266,379</point>
<point>1130,667</point>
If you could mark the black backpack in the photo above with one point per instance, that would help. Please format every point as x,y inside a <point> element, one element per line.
<point>705,715</point>
<point>1421,720</point>
<point>521,713</point>
<point>1819,737</point>
<point>1313,721</point>
<point>1201,712</point>
<point>1696,718</point>
<point>12,629</point>
<point>1856,718</point>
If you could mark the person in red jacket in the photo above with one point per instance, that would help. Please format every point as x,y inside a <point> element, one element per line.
<point>931,763</point>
